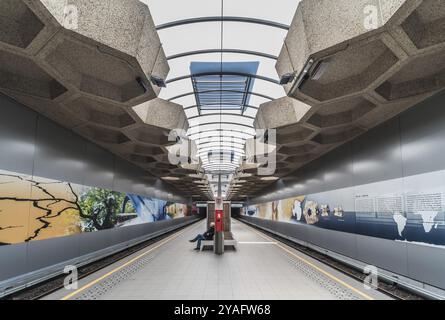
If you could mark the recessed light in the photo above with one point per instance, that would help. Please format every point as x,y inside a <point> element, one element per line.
<point>269,178</point>
<point>170,178</point>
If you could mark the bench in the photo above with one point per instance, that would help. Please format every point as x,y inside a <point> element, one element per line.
<point>228,241</point>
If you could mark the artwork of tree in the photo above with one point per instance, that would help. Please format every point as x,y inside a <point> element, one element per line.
<point>99,208</point>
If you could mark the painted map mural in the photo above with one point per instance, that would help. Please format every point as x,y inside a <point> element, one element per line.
<point>34,208</point>
<point>406,209</point>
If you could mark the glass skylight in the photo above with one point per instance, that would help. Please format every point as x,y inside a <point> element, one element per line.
<point>221,107</point>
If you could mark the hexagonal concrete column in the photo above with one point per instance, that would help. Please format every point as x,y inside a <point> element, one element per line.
<point>85,64</point>
<point>163,114</point>
<point>344,40</point>
<point>284,121</point>
<point>355,64</point>
<point>280,112</point>
<point>102,47</point>
<point>389,50</point>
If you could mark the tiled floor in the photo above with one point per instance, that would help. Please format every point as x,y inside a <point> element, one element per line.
<point>259,269</point>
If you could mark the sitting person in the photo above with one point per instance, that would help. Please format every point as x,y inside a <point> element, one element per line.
<point>208,235</point>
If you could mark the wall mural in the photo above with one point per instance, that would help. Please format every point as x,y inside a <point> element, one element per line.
<point>34,208</point>
<point>406,209</point>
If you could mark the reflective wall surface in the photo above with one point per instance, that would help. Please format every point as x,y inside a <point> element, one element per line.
<point>392,176</point>
<point>37,154</point>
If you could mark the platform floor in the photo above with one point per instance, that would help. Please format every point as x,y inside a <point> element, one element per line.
<point>261,268</point>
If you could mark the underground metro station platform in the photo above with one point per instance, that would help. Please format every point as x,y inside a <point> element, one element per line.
<point>217,150</point>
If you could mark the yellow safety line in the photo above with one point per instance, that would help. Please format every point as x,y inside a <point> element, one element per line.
<point>315,267</point>
<point>88,285</point>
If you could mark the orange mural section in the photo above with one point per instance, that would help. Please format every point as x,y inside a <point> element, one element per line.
<point>34,208</point>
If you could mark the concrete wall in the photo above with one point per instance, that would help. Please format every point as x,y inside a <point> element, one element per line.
<point>32,144</point>
<point>410,144</point>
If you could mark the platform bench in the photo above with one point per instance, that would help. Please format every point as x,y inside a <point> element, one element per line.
<point>228,241</point>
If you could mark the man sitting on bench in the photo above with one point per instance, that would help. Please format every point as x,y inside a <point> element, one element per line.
<point>208,235</point>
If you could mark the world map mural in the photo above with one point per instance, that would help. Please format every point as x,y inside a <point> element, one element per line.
<point>35,208</point>
<point>410,209</point>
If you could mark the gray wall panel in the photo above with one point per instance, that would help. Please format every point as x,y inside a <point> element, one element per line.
<point>123,175</point>
<point>341,242</point>
<point>318,237</point>
<point>422,134</point>
<point>43,253</point>
<point>337,172</point>
<point>314,181</point>
<point>34,145</point>
<point>117,236</point>
<point>93,241</point>
<point>300,231</point>
<point>17,137</point>
<point>12,260</point>
<point>99,167</point>
<point>410,144</point>
<point>386,254</point>
<point>59,153</point>
<point>377,155</point>
<point>427,264</point>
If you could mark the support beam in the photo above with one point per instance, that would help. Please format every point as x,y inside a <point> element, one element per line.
<point>182,22</point>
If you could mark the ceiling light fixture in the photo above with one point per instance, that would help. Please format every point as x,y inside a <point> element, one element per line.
<point>170,178</point>
<point>269,178</point>
<point>287,78</point>
<point>320,69</point>
<point>157,81</point>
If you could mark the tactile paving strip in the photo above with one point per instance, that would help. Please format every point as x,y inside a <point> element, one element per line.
<point>100,289</point>
<point>336,290</point>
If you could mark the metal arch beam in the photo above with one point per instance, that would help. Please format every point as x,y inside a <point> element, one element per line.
<point>235,160</point>
<point>228,170</point>
<point>222,143</point>
<point>226,166</point>
<point>218,136</point>
<point>221,114</point>
<point>207,51</point>
<point>237,155</point>
<point>217,104</point>
<point>215,161</point>
<point>226,141</point>
<point>182,22</point>
<point>221,130</point>
<point>225,161</point>
<point>220,148</point>
<point>235,163</point>
<point>222,168</point>
<point>224,73</point>
<point>231,91</point>
<point>219,139</point>
<point>224,122</point>
<point>237,150</point>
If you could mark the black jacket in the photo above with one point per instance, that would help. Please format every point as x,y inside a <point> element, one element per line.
<point>208,235</point>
